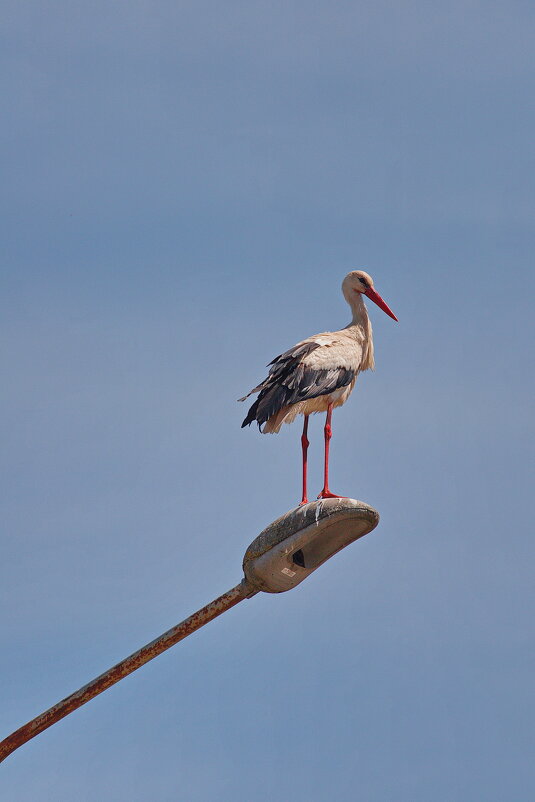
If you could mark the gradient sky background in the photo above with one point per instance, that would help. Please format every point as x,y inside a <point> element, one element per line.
<point>185,186</point>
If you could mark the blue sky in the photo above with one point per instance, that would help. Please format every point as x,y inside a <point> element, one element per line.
<point>185,186</point>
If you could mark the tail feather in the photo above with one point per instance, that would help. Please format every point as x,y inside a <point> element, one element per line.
<point>254,390</point>
<point>270,401</point>
<point>251,415</point>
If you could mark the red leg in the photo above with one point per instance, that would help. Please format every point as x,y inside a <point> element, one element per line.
<point>328,432</point>
<point>304,445</point>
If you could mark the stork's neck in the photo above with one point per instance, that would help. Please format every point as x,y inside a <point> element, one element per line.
<point>360,313</point>
<point>361,328</point>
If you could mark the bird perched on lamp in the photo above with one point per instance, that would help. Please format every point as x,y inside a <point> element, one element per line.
<point>319,373</point>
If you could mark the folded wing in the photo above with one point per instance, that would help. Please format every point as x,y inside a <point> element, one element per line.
<point>308,370</point>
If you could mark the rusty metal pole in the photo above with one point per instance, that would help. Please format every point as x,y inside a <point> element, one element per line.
<point>125,667</point>
<point>281,557</point>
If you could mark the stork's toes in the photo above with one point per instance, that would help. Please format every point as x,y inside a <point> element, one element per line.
<point>327,494</point>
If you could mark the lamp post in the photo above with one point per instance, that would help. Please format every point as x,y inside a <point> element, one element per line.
<point>281,557</point>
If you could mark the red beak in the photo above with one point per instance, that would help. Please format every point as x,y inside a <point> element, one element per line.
<point>376,298</point>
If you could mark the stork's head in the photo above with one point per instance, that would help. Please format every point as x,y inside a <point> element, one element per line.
<point>362,283</point>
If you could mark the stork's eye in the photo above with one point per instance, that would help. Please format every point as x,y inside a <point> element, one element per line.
<point>363,281</point>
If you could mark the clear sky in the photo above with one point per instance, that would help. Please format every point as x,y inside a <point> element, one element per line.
<point>185,184</point>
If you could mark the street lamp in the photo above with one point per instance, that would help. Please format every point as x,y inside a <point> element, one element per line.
<point>281,557</point>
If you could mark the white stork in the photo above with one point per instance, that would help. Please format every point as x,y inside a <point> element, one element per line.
<point>319,373</point>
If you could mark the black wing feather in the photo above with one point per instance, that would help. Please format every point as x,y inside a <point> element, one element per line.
<point>290,381</point>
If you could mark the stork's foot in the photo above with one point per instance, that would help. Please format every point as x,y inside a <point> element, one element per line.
<point>304,501</point>
<point>327,494</point>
